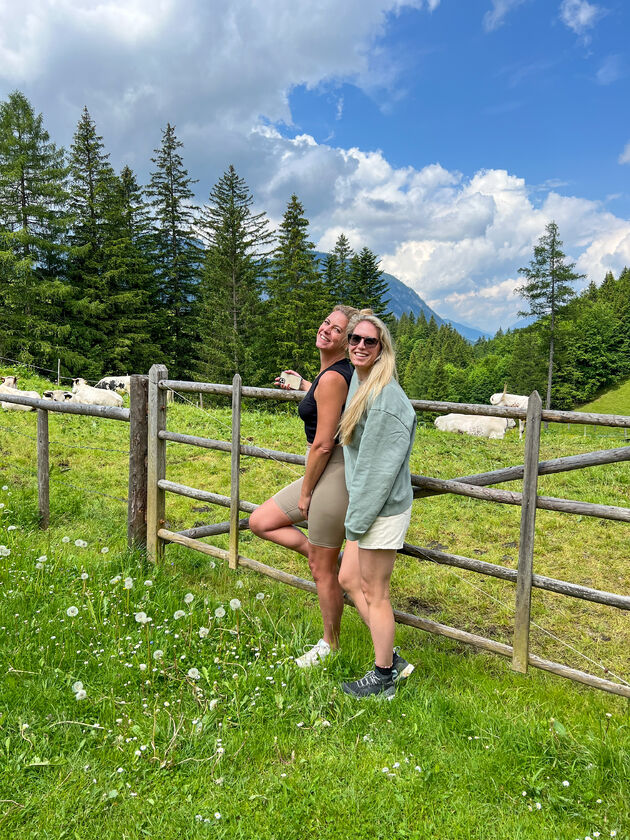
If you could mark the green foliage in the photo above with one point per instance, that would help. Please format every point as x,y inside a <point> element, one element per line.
<point>33,225</point>
<point>178,254</point>
<point>366,287</point>
<point>231,328</point>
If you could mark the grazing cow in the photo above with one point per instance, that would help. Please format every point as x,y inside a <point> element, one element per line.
<point>8,385</point>
<point>86,394</point>
<point>58,395</point>
<point>120,384</point>
<point>472,424</point>
<point>512,401</point>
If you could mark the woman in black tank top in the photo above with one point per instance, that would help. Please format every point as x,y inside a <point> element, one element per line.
<point>275,519</point>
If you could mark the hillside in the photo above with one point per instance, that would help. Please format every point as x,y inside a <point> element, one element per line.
<point>615,401</point>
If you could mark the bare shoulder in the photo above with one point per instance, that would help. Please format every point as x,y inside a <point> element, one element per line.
<point>332,385</point>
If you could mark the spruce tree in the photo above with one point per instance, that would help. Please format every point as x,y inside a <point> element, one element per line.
<point>297,297</point>
<point>33,225</point>
<point>547,287</point>
<point>129,275</point>
<point>338,270</point>
<point>367,289</point>
<point>178,254</point>
<point>230,306</point>
<point>91,185</point>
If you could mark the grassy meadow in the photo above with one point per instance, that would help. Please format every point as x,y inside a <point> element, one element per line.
<point>141,701</point>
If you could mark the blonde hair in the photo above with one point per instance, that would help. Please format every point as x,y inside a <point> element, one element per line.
<point>351,313</point>
<point>382,372</point>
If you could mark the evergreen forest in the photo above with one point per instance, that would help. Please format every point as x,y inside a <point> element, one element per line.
<point>111,276</point>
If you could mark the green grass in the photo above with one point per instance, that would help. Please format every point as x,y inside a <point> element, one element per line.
<point>471,750</point>
<point>615,401</point>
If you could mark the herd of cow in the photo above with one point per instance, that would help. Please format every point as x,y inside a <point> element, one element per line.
<point>109,389</point>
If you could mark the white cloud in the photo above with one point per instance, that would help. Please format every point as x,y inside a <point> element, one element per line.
<point>624,157</point>
<point>611,70</point>
<point>580,15</point>
<point>495,18</point>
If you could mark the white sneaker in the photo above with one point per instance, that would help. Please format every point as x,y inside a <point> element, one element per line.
<point>313,656</point>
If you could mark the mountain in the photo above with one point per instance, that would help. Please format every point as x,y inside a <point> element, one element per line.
<point>404,299</point>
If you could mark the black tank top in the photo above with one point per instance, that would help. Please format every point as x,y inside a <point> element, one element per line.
<point>307,409</point>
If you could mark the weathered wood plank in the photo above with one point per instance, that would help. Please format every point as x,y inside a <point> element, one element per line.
<point>226,390</point>
<point>202,495</point>
<point>156,463</point>
<point>520,657</point>
<point>138,443</point>
<point>226,446</point>
<point>235,466</point>
<point>43,469</point>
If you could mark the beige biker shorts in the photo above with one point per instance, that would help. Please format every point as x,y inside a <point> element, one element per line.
<point>329,503</point>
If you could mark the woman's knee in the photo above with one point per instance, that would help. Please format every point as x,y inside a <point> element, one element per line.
<point>256,522</point>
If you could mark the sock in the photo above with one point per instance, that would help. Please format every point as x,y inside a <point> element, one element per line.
<point>385,673</point>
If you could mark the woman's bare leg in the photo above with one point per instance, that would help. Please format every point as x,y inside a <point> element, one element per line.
<point>376,567</point>
<point>271,523</point>
<point>323,564</point>
<point>350,578</point>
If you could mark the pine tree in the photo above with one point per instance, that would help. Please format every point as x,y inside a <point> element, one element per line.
<point>230,323</point>
<point>547,287</point>
<point>367,289</point>
<point>33,225</point>
<point>178,254</point>
<point>297,298</point>
<point>91,185</point>
<point>133,341</point>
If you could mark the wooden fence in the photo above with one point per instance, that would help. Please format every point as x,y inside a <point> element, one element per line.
<point>135,415</point>
<point>473,486</point>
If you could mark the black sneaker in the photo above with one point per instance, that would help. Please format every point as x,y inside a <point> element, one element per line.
<point>372,684</point>
<point>402,668</point>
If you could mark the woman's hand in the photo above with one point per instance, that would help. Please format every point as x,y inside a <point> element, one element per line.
<point>304,503</point>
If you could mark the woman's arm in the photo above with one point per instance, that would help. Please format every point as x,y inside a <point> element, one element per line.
<point>304,383</point>
<point>330,395</point>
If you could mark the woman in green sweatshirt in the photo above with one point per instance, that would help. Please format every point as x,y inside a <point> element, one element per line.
<point>377,432</point>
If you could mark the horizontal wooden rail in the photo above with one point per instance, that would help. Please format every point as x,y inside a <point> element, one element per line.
<point>226,390</point>
<point>404,618</point>
<point>508,497</point>
<point>554,465</point>
<point>436,406</point>
<point>226,446</point>
<point>561,587</point>
<point>202,495</point>
<point>109,412</point>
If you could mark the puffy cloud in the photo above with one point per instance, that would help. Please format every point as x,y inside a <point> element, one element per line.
<point>580,15</point>
<point>624,157</point>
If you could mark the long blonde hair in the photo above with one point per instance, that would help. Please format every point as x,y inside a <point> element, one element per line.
<point>383,371</point>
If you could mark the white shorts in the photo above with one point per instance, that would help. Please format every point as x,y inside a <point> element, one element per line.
<point>387,531</point>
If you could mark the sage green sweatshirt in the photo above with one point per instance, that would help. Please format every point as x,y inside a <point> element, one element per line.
<point>377,459</point>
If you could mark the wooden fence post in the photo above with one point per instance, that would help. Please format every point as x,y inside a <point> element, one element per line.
<point>235,470</point>
<point>156,463</point>
<point>43,468</point>
<point>138,441</point>
<point>520,656</point>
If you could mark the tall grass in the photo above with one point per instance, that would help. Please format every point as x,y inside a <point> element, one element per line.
<point>221,735</point>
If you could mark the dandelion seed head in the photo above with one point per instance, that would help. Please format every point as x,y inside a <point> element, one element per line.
<point>158,654</point>
<point>84,576</point>
<point>235,604</point>
<point>194,674</point>
<point>115,580</point>
<point>65,539</point>
<point>80,543</point>
<point>148,583</point>
<point>4,551</point>
<point>219,612</point>
<point>565,783</point>
<point>128,583</point>
<point>179,614</point>
<point>189,598</point>
<point>81,694</point>
<point>72,611</point>
<point>104,550</point>
<point>77,686</point>
<point>203,632</point>
<point>239,584</point>
<point>12,528</point>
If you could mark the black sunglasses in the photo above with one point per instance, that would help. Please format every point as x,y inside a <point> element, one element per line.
<point>354,339</point>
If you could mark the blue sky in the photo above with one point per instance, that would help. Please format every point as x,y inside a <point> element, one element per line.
<point>443,134</point>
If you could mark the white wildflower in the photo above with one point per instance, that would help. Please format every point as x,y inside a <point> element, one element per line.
<point>4,551</point>
<point>72,611</point>
<point>158,654</point>
<point>219,612</point>
<point>239,584</point>
<point>565,783</point>
<point>77,686</point>
<point>194,674</point>
<point>179,614</point>
<point>115,580</point>
<point>142,618</point>
<point>84,576</point>
<point>42,559</point>
<point>217,815</point>
<point>203,632</point>
<point>128,583</point>
<point>12,528</point>
<point>104,550</point>
<point>260,596</point>
<point>213,703</point>
<point>65,539</point>
<point>148,583</point>
<point>80,543</point>
<point>235,604</point>
<point>81,694</point>
<point>189,598</point>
